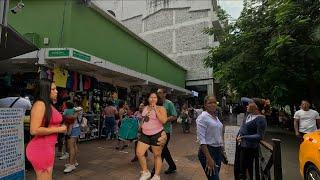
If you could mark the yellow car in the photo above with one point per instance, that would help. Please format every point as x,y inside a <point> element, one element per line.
<point>309,156</point>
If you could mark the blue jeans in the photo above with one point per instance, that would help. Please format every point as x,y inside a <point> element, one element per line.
<point>215,153</point>
<point>110,123</point>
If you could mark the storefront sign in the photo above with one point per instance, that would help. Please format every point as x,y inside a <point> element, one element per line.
<point>11,144</point>
<point>58,53</point>
<point>230,136</point>
<point>81,56</point>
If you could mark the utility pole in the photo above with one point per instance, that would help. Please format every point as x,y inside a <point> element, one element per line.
<point>4,6</point>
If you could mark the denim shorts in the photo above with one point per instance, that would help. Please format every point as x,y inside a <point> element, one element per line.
<point>75,132</point>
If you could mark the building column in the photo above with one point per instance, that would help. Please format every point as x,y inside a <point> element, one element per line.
<point>210,89</point>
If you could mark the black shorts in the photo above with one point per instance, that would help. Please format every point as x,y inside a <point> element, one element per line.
<point>151,140</point>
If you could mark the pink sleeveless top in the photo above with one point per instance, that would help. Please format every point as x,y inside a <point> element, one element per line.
<point>56,119</point>
<point>153,126</point>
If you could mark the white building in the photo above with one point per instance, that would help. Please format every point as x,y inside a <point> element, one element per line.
<point>175,27</point>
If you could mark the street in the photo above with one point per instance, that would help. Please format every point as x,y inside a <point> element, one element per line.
<point>100,160</point>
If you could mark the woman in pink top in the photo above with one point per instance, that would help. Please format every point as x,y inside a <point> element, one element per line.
<point>44,125</point>
<point>154,116</point>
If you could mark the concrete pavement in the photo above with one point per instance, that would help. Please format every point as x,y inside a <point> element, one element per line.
<point>100,160</point>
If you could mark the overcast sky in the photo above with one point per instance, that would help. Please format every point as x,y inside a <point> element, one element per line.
<point>233,7</point>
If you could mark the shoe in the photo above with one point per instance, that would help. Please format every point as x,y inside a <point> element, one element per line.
<point>152,172</point>
<point>69,168</point>
<point>155,177</point>
<point>170,171</point>
<point>76,165</point>
<point>134,159</point>
<point>64,156</point>
<point>145,175</point>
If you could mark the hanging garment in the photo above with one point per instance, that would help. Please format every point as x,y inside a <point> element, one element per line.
<point>60,77</point>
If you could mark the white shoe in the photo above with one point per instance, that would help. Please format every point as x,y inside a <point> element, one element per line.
<point>64,156</point>
<point>145,175</point>
<point>76,165</point>
<point>69,168</point>
<point>155,177</point>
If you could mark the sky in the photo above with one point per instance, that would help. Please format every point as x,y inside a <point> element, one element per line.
<point>233,7</point>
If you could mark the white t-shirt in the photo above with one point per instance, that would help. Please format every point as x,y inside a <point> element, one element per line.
<point>23,103</point>
<point>307,120</point>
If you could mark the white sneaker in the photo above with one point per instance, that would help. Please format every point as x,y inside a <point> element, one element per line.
<point>69,168</point>
<point>64,156</point>
<point>155,177</point>
<point>145,175</point>
<point>76,165</point>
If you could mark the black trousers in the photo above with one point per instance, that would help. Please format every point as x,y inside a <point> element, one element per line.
<point>167,155</point>
<point>244,160</point>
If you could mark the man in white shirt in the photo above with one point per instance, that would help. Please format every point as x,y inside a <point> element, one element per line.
<point>306,120</point>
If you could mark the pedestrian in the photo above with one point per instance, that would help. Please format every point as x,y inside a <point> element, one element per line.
<point>72,139</point>
<point>109,115</point>
<point>184,115</point>
<point>209,135</point>
<point>69,118</point>
<point>138,115</point>
<point>306,120</point>
<point>44,125</point>
<point>172,116</point>
<point>154,116</point>
<point>123,112</point>
<point>14,100</point>
<point>251,132</point>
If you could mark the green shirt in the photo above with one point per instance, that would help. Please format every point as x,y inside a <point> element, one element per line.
<point>171,111</point>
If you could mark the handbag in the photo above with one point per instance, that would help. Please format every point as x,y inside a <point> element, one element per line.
<point>179,120</point>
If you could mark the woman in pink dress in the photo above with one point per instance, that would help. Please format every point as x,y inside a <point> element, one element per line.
<point>45,124</point>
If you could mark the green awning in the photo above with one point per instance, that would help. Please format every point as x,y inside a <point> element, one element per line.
<point>13,44</point>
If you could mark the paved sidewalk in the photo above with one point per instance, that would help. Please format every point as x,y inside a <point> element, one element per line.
<point>99,160</point>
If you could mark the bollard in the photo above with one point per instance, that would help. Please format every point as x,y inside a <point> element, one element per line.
<point>277,165</point>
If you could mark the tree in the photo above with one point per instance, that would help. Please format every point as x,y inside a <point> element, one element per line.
<point>272,51</point>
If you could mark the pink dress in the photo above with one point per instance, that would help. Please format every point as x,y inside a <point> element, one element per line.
<point>41,149</point>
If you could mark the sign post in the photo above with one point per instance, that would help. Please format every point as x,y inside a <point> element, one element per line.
<point>11,144</point>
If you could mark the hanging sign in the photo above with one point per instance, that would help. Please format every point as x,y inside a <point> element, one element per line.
<point>11,144</point>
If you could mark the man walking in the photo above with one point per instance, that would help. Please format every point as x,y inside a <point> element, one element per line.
<point>172,116</point>
<point>306,120</point>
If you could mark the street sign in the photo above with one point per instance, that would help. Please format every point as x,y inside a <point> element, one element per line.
<point>58,53</point>
<point>81,56</point>
<point>11,144</point>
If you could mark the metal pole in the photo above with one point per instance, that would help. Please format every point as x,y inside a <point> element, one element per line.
<point>277,159</point>
<point>4,6</point>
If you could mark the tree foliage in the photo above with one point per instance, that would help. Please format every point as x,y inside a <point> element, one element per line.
<point>272,51</point>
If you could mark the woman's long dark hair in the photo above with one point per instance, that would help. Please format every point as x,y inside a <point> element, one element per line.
<point>44,96</point>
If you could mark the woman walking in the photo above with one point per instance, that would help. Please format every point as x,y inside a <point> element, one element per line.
<point>209,135</point>
<point>154,116</point>
<point>72,140</point>
<point>251,132</point>
<point>45,124</point>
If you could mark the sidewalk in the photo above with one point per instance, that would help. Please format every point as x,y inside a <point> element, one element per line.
<point>99,160</point>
